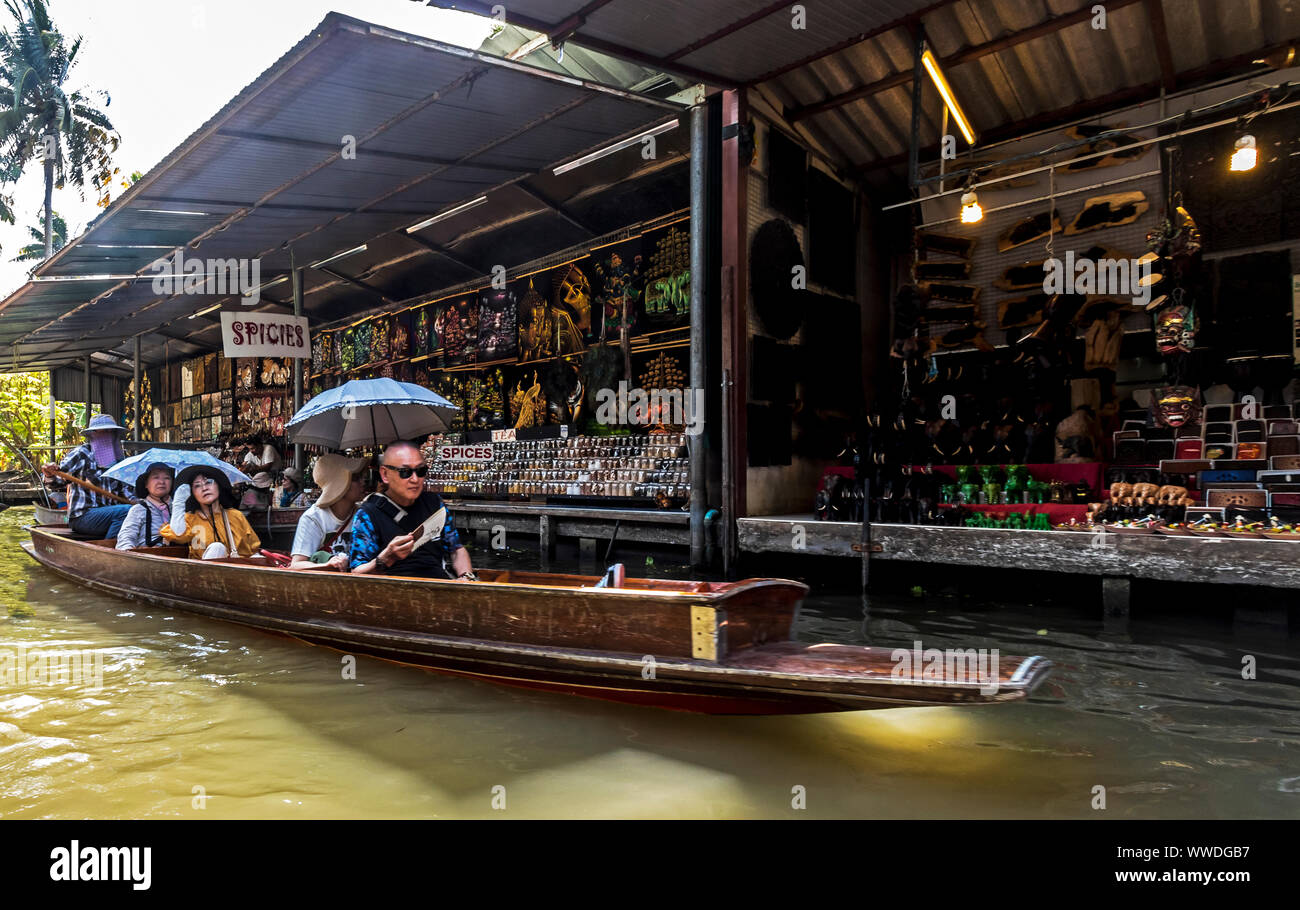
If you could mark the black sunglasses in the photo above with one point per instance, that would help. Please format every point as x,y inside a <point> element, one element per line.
<point>405,471</point>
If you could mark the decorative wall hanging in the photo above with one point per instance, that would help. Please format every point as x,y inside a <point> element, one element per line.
<point>401,343</point>
<point>497,325</point>
<point>362,334</point>
<point>528,405</point>
<point>348,349</point>
<point>1174,406</point>
<point>422,340</point>
<point>775,259</point>
<point>1108,211</point>
<point>619,279</point>
<point>573,296</point>
<point>457,326</point>
<point>380,329</point>
<point>667,300</point>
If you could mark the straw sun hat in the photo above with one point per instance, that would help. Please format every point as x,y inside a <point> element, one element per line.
<point>333,474</point>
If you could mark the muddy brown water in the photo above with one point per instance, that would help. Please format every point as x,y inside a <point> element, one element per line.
<point>202,719</point>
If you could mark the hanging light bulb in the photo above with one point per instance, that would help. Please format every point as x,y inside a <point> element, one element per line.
<point>970,207</point>
<point>1244,153</point>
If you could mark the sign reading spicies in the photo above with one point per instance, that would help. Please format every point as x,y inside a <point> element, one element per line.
<point>478,454</point>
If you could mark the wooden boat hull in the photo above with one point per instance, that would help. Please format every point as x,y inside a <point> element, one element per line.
<point>717,648</point>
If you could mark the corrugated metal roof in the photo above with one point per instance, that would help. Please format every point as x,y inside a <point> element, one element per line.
<point>1015,65</point>
<point>434,126</point>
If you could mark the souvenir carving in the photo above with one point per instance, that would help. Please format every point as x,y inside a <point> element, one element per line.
<point>941,271</point>
<point>929,243</point>
<point>1027,230</point>
<point>1022,311</point>
<point>1175,328</point>
<point>1021,277</point>
<point>957,293</point>
<point>1175,406</point>
<point>1105,144</point>
<point>1108,211</point>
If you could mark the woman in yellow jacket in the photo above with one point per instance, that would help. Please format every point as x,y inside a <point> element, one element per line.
<point>204,516</point>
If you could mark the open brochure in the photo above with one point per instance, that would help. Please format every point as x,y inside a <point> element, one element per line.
<point>430,528</point>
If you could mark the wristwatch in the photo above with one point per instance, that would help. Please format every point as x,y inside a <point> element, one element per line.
<point>468,576</point>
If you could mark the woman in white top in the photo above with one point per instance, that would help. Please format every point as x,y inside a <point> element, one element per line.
<point>324,530</point>
<point>146,518</point>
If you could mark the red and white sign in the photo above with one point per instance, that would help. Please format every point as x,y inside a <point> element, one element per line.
<point>264,335</point>
<point>503,435</point>
<point>477,453</point>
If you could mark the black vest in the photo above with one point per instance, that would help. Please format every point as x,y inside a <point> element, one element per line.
<point>429,561</point>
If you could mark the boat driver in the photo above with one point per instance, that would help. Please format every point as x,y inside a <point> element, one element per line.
<point>383,541</point>
<point>89,511</point>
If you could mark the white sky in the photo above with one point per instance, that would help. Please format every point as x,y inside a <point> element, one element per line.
<point>139,51</point>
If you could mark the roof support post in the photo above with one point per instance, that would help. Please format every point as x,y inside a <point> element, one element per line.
<point>699,234</point>
<point>734,322</point>
<point>135,393</point>
<point>914,149</point>
<point>86,421</point>
<point>297,277</point>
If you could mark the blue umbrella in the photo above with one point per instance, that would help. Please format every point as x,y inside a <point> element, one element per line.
<point>370,412</point>
<point>128,470</point>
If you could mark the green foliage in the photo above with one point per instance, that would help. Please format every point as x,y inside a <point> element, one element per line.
<point>36,249</point>
<point>25,418</point>
<point>35,62</point>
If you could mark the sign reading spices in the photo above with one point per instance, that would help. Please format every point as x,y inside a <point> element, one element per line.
<point>264,335</point>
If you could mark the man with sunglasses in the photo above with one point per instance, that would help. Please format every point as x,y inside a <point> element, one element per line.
<point>383,531</point>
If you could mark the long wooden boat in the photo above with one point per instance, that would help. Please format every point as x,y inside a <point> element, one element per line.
<point>711,647</point>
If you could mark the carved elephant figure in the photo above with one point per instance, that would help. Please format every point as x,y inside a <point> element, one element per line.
<point>1170,495</point>
<point>1145,494</point>
<point>1120,493</point>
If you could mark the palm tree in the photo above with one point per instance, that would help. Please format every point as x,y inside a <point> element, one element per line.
<point>36,250</point>
<point>66,131</point>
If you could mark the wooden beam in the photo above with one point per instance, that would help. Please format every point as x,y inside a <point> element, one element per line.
<point>358,283</point>
<point>1051,26</point>
<point>1156,16</point>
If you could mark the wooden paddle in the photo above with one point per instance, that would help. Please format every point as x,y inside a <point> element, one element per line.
<point>55,472</point>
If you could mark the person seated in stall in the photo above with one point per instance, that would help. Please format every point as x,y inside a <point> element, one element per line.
<point>383,541</point>
<point>290,495</point>
<point>90,513</point>
<point>204,516</point>
<point>144,521</point>
<point>260,455</point>
<point>257,495</point>
<point>324,536</point>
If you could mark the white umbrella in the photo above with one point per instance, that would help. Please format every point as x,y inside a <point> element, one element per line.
<point>370,412</point>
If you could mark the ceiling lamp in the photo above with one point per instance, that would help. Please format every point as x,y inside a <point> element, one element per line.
<point>1244,153</point>
<point>970,207</point>
<point>945,91</point>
